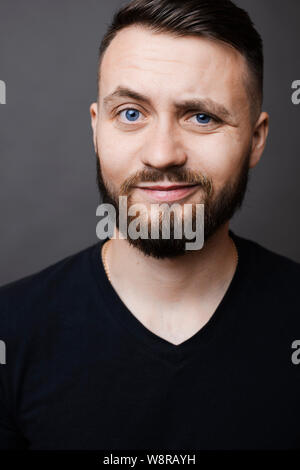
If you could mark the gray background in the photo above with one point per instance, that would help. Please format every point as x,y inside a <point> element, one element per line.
<point>48,192</point>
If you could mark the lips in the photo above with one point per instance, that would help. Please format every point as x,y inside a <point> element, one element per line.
<point>166,188</point>
<point>167,193</point>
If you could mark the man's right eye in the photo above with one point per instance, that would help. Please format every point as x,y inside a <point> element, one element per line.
<point>131,114</point>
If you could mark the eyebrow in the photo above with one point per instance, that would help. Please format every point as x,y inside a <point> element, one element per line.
<point>206,104</point>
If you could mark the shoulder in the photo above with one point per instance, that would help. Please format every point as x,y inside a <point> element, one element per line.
<point>274,279</point>
<point>32,299</point>
<point>267,260</point>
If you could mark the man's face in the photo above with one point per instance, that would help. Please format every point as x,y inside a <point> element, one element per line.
<point>163,139</point>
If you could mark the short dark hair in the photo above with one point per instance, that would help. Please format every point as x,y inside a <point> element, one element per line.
<point>215,19</point>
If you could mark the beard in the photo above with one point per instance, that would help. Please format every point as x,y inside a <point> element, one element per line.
<point>218,207</point>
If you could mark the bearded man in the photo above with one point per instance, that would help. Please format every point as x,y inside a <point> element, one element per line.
<point>138,342</point>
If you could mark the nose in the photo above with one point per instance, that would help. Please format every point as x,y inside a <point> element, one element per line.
<point>163,148</point>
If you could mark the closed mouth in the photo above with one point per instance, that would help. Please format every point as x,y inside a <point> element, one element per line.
<point>166,188</point>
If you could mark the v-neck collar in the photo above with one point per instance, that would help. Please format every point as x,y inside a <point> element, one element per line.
<point>154,344</point>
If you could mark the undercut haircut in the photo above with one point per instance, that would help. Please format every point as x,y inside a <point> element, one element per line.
<point>219,20</point>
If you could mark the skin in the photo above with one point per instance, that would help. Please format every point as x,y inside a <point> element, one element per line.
<point>174,298</point>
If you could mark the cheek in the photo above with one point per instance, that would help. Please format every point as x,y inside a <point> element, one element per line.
<point>220,156</point>
<point>115,156</point>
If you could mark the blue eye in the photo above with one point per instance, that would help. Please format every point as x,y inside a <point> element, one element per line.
<point>131,114</point>
<point>203,118</point>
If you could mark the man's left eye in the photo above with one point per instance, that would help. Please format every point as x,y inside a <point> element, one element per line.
<point>203,118</point>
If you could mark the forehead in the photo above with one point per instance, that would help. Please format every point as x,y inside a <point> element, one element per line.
<point>166,67</point>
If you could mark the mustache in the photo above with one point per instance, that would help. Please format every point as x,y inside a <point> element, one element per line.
<point>173,175</point>
<point>176,175</point>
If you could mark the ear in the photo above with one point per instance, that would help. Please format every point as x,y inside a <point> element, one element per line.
<point>94,119</point>
<point>259,138</point>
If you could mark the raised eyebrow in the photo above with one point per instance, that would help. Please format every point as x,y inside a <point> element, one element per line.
<point>206,105</point>
<point>122,92</point>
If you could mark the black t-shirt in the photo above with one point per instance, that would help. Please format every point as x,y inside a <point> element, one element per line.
<point>82,372</point>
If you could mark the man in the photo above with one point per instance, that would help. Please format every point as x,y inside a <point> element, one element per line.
<point>138,343</point>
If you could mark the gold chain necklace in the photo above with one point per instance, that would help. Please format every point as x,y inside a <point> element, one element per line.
<point>104,254</point>
<point>236,252</point>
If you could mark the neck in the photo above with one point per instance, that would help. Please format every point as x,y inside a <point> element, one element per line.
<point>190,277</point>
